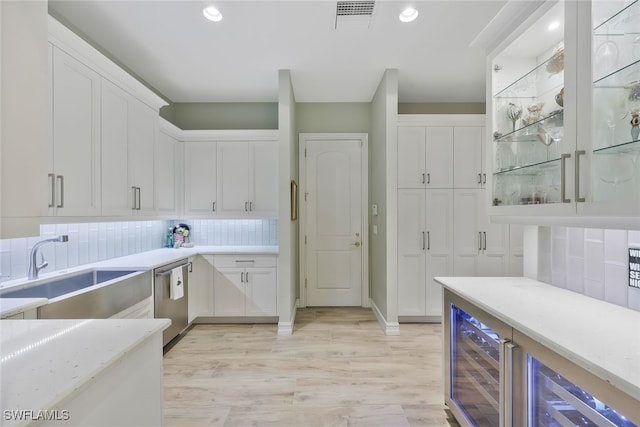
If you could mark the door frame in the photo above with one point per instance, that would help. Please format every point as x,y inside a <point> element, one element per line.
<point>303,139</point>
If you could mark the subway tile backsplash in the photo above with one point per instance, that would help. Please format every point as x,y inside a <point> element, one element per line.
<point>593,262</point>
<point>92,242</point>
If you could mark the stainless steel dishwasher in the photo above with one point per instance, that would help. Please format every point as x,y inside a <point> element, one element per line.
<point>164,306</point>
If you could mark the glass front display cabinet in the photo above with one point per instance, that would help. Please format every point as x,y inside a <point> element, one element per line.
<point>564,111</point>
<point>528,117</point>
<point>615,109</point>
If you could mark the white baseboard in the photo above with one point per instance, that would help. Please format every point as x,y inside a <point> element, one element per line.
<point>389,328</point>
<point>286,328</point>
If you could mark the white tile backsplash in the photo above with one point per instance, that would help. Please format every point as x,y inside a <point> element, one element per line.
<point>233,232</point>
<point>593,262</point>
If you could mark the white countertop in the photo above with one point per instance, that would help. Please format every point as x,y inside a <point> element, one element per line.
<point>601,337</point>
<point>44,361</point>
<point>142,261</point>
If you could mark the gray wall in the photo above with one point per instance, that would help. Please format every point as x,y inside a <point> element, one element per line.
<point>222,115</point>
<point>381,143</point>
<point>333,117</point>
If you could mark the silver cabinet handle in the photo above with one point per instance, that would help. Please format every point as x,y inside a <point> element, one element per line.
<point>428,240</point>
<point>190,270</point>
<point>577,176</point>
<point>484,235</point>
<point>246,277</point>
<point>242,277</point>
<point>484,178</point>
<point>479,240</point>
<point>139,198</point>
<point>245,260</point>
<point>250,206</point>
<point>424,241</point>
<point>52,190</point>
<point>479,178</point>
<point>563,178</point>
<point>60,179</point>
<point>428,178</point>
<point>246,204</point>
<point>505,400</point>
<point>133,202</point>
<point>213,206</point>
<point>423,179</point>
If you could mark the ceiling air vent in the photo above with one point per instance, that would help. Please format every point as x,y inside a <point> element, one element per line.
<point>354,14</point>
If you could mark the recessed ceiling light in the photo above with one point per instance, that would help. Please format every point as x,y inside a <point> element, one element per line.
<point>212,14</point>
<point>408,15</point>
<point>554,25</point>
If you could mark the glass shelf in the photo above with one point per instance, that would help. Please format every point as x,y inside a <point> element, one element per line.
<point>624,21</point>
<point>620,78</point>
<point>631,147</point>
<point>531,131</point>
<point>524,83</point>
<point>534,169</point>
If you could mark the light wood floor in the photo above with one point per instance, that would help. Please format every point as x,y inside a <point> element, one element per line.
<point>337,369</point>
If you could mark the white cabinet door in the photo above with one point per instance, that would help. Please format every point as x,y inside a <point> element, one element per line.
<point>233,178</point>
<point>228,291</point>
<point>75,175</point>
<point>481,248</point>
<point>263,179</point>
<point>467,233</point>
<point>467,153</point>
<point>411,252</point>
<point>200,178</point>
<point>116,190</point>
<point>261,292</point>
<point>142,134</point>
<point>439,160</point>
<point>439,246</point>
<point>411,157</point>
<point>166,170</point>
<point>201,287</point>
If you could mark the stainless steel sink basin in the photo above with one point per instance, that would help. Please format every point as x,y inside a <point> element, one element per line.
<point>128,287</point>
<point>64,285</point>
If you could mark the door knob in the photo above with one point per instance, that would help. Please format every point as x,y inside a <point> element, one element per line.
<point>356,244</point>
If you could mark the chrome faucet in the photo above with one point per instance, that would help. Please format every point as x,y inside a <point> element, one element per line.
<point>34,268</point>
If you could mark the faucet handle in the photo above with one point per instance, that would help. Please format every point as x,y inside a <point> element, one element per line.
<point>43,262</point>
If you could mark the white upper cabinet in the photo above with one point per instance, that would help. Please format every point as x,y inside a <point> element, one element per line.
<point>74,173</point>
<point>248,179</point>
<point>128,129</point>
<point>233,178</point>
<point>469,170</point>
<point>561,113</point>
<point>143,128</point>
<point>425,157</point>
<point>200,175</point>
<point>263,179</point>
<point>167,174</point>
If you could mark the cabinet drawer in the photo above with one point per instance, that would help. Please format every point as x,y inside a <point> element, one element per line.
<point>247,261</point>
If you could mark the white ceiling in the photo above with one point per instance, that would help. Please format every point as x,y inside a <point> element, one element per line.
<point>186,58</point>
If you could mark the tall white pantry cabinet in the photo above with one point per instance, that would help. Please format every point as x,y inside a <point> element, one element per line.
<point>443,228</point>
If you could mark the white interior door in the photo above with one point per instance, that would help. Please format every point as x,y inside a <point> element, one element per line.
<point>333,186</point>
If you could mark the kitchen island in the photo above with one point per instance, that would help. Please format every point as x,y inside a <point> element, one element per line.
<point>575,339</point>
<point>81,372</point>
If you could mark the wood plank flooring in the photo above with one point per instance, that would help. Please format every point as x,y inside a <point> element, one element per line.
<point>337,369</point>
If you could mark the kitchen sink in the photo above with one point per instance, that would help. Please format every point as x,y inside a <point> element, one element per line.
<point>126,288</point>
<point>64,285</point>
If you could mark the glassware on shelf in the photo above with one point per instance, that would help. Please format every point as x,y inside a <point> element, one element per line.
<point>514,112</point>
<point>617,169</point>
<point>606,58</point>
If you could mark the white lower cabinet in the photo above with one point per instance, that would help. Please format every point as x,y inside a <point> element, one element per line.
<point>200,296</point>
<point>245,285</point>
<point>425,238</point>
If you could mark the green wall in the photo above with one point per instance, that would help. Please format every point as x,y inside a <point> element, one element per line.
<point>333,117</point>
<point>222,115</point>
<point>442,108</point>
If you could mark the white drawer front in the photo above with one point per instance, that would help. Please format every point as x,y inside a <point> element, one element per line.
<point>246,261</point>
